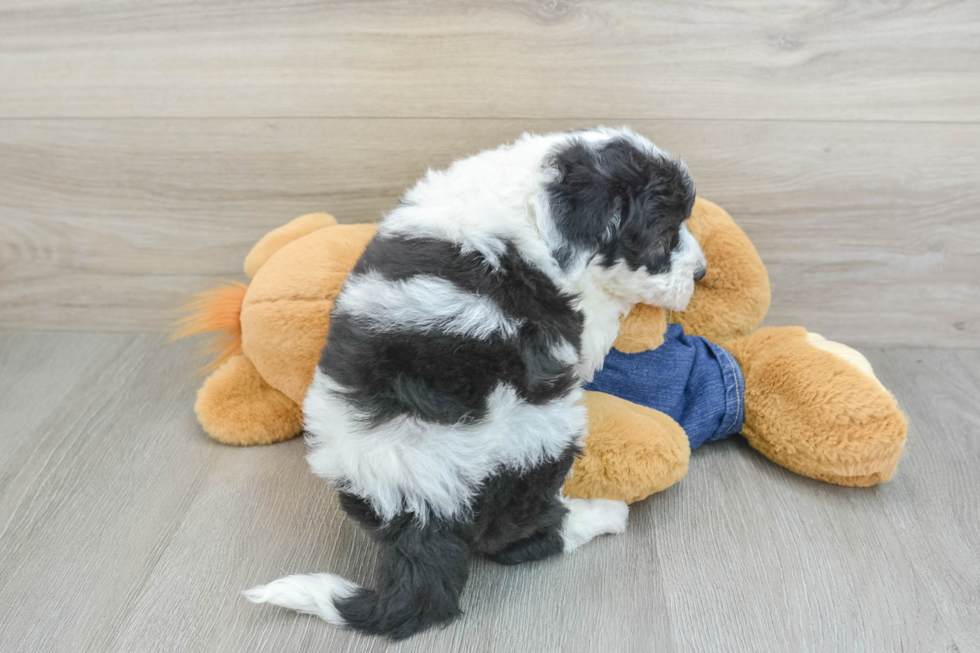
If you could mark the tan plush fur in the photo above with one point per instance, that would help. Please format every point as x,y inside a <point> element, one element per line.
<point>632,451</point>
<point>816,413</point>
<point>643,329</point>
<point>806,408</point>
<point>236,406</point>
<point>286,312</point>
<point>276,239</point>
<point>255,398</point>
<point>733,297</point>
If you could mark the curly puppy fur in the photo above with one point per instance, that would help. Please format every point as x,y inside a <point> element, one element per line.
<point>447,405</point>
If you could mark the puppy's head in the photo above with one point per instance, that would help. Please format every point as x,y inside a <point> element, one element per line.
<point>618,205</point>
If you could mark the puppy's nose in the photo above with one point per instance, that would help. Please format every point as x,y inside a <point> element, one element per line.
<point>699,273</point>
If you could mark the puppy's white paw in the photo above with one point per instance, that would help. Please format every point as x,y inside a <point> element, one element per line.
<point>588,518</point>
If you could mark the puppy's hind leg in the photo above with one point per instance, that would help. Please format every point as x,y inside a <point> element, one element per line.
<point>536,547</point>
<point>587,518</point>
<point>584,520</point>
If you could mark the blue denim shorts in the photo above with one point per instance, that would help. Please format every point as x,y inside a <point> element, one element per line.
<point>696,382</point>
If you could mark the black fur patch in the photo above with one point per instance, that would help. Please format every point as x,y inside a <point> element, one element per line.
<point>517,517</point>
<point>509,507</point>
<point>617,201</point>
<point>420,577</point>
<point>518,514</point>
<point>446,378</point>
<point>519,288</point>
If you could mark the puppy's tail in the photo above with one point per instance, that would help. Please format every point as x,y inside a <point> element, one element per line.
<point>421,576</point>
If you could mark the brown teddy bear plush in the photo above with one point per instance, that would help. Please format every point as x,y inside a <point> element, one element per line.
<point>808,404</point>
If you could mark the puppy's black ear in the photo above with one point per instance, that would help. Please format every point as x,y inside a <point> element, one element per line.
<point>656,195</point>
<point>582,204</point>
<point>619,201</point>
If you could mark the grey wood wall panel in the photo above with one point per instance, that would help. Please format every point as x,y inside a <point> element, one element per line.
<point>871,231</point>
<point>807,59</point>
<point>123,528</point>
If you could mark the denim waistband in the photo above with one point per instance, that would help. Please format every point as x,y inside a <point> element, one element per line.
<point>731,372</point>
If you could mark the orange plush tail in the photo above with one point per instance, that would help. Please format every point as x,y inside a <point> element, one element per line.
<point>217,312</point>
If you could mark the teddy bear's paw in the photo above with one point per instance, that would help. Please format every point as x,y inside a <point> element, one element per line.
<point>236,406</point>
<point>588,518</point>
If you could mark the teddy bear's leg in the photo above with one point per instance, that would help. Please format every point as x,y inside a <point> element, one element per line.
<point>278,238</point>
<point>631,452</point>
<point>236,406</point>
<point>815,407</point>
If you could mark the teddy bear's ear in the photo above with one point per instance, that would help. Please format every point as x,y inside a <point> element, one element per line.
<point>641,330</point>
<point>276,239</point>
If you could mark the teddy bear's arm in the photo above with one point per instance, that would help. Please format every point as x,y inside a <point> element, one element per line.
<point>642,329</point>
<point>733,297</point>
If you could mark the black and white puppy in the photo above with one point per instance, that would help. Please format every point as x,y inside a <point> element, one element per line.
<point>447,405</point>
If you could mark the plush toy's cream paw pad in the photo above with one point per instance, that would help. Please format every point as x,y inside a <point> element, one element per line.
<point>588,518</point>
<point>236,406</point>
<point>842,351</point>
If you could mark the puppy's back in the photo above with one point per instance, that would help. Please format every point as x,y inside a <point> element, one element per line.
<point>439,367</point>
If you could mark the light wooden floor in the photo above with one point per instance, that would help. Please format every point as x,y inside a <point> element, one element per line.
<point>145,146</point>
<point>125,529</point>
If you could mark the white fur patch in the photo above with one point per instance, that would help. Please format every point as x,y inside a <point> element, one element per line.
<point>564,352</point>
<point>588,518</point>
<point>602,314</point>
<point>315,594</point>
<point>421,304</point>
<point>408,464</point>
<point>482,202</point>
<point>607,294</point>
<point>671,289</point>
